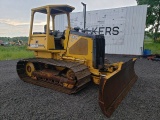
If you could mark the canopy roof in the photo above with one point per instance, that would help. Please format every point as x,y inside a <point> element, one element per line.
<point>55,9</point>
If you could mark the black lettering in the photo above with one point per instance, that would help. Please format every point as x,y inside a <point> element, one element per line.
<point>86,30</point>
<point>94,30</point>
<point>100,30</point>
<point>108,30</point>
<point>115,31</point>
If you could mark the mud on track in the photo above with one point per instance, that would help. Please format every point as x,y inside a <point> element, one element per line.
<point>20,100</point>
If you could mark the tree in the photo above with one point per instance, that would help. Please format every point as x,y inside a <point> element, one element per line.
<point>153,16</point>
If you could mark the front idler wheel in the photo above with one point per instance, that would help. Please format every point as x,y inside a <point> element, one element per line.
<point>30,68</point>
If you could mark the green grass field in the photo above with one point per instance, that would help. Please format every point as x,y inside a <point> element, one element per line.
<point>154,47</point>
<point>17,52</point>
<point>14,52</point>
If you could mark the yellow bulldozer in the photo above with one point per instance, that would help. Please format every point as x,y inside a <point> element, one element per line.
<point>68,61</point>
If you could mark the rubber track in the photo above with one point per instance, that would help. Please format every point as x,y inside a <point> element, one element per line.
<point>81,72</point>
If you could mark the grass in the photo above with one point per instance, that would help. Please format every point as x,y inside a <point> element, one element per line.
<point>17,52</point>
<point>14,52</point>
<point>154,47</point>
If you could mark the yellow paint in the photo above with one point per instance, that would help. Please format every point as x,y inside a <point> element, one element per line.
<point>44,47</point>
<point>41,54</point>
<point>96,79</point>
<point>88,58</point>
<point>29,68</point>
<point>68,85</point>
<point>59,68</point>
<point>134,59</point>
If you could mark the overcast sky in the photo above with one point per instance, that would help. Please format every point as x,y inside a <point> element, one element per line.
<point>15,14</point>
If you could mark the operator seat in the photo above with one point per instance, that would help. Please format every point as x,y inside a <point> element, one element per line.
<point>58,37</point>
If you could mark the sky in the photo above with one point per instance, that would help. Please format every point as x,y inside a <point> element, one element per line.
<point>15,14</point>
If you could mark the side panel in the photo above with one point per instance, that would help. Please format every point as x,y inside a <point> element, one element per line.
<point>80,47</point>
<point>39,42</point>
<point>87,47</point>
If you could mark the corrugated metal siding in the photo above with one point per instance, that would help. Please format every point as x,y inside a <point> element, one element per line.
<point>59,22</point>
<point>134,32</point>
<point>131,23</point>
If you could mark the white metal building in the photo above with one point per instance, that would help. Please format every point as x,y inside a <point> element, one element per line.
<point>123,27</point>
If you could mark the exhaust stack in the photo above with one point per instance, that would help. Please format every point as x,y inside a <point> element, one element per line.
<point>84,14</point>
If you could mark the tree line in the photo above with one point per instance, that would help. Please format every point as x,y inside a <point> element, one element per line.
<point>14,39</point>
<point>153,18</point>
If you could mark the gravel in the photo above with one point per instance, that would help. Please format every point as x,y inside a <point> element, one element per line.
<point>20,100</point>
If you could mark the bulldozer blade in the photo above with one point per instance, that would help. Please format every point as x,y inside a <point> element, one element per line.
<point>113,90</point>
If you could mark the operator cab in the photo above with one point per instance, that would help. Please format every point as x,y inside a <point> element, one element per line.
<point>43,26</point>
